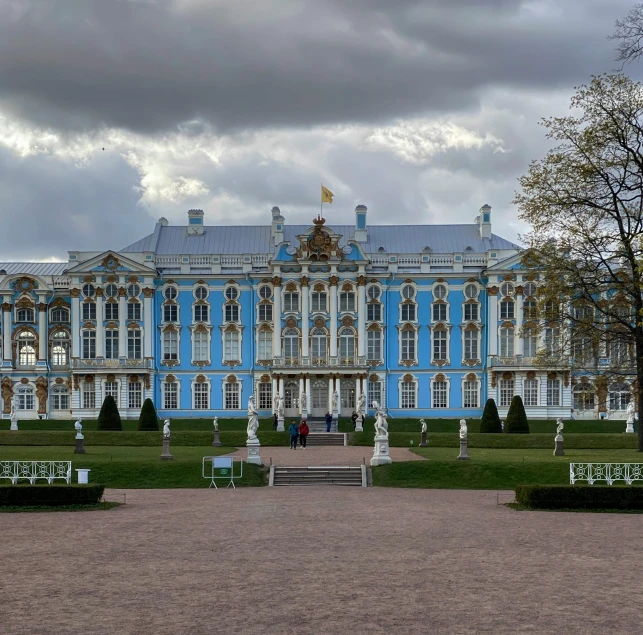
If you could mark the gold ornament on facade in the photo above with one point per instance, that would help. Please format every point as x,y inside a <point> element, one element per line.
<point>89,379</point>
<point>291,323</point>
<point>347,286</point>
<point>440,377</point>
<point>291,286</point>
<point>24,284</point>
<point>319,286</point>
<point>42,387</point>
<point>7,394</point>
<point>110,377</point>
<point>6,306</point>
<point>59,303</point>
<point>471,377</point>
<point>147,382</point>
<point>59,380</point>
<point>148,293</point>
<point>552,375</point>
<point>110,262</point>
<point>440,362</point>
<point>492,290</point>
<point>24,381</point>
<point>361,281</point>
<point>264,379</point>
<point>276,281</point>
<point>99,293</point>
<point>566,378</point>
<point>531,374</point>
<point>319,322</point>
<point>494,378</point>
<point>25,303</point>
<point>507,375</point>
<point>304,280</point>
<point>76,382</point>
<point>42,306</point>
<point>89,279</point>
<point>333,281</point>
<point>347,320</point>
<point>133,379</point>
<point>519,290</point>
<point>508,277</point>
<point>374,327</point>
<point>230,379</point>
<point>74,293</point>
<point>132,279</point>
<point>170,379</point>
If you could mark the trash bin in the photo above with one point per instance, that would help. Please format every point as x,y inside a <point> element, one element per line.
<point>83,476</point>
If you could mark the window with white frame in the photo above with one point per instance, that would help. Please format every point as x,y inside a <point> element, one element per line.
<point>439,312</point>
<point>231,313</point>
<point>134,310</point>
<point>291,301</point>
<point>374,312</point>
<point>201,395</point>
<point>232,396</point>
<point>506,388</point>
<point>25,398</point>
<point>265,395</point>
<point>25,315</point>
<point>264,345</point>
<point>530,310</point>
<point>584,396</point>
<point>506,288</point>
<point>506,342</point>
<point>552,340</point>
<point>471,312</point>
<point>89,395</point>
<point>530,342</point>
<point>89,310</point>
<point>170,346</point>
<point>530,392</point>
<point>170,313</point>
<point>26,348</point>
<point>408,341</point>
<point>110,389</point>
<point>374,293</point>
<point>133,290</point>
<point>440,394</point>
<point>471,291</point>
<point>471,345</point>
<point>134,394</point>
<point>618,348</point>
<point>439,348</point>
<point>582,349</point>
<point>264,313</point>
<point>439,292</point>
<point>111,290</point>
<point>134,344</point>
<point>231,346</point>
<point>470,390</point>
<point>111,344</point>
<point>202,312</point>
<point>373,345</point>
<point>346,301</point>
<point>553,392</point>
<point>507,309</point>
<point>60,315</point>
<point>619,396</point>
<point>408,397</point>
<point>408,292</point>
<point>291,342</point>
<point>89,344</point>
<point>408,312</point>
<point>111,311</point>
<point>318,301</point>
<point>374,393</point>
<point>59,398</point>
<point>170,395</point>
<point>170,293</point>
<point>200,346</point>
<point>346,342</point>
<point>60,345</point>
<point>318,340</point>
<point>265,292</point>
<point>231,294</point>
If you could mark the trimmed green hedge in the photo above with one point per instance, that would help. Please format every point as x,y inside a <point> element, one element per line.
<point>579,497</point>
<point>49,495</point>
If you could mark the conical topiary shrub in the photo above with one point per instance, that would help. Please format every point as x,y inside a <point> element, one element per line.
<point>516,422</point>
<point>109,419</point>
<point>490,421</point>
<point>148,420</point>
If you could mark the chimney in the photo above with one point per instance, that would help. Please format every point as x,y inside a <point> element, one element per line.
<point>484,221</point>
<point>361,234</point>
<point>277,228</point>
<point>195,222</point>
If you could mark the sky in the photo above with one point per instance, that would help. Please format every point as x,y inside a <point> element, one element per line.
<point>114,113</point>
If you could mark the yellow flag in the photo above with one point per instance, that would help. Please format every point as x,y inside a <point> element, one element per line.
<point>327,195</point>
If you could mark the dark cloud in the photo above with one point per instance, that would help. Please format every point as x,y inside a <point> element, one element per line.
<point>148,66</point>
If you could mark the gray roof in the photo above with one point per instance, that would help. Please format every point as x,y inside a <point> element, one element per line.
<point>404,239</point>
<point>34,268</point>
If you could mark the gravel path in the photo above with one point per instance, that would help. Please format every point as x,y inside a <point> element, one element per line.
<point>316,561</point>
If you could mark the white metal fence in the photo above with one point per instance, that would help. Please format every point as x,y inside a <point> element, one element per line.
<point>33,470</point>
<point>607,472</point>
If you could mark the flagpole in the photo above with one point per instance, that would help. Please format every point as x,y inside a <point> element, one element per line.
<point>321,200</point>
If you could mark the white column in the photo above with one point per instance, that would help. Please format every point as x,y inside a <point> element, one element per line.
<point>520,343</point>
<point>75,324</point>
<point>338,388</point>
<point>42,332</point>
<point>493,324</point>
<point>147,322</point>
<point>330,395</point>
<point>305,299</point>
<point>332,289</point>
<point>361,317</point>
<point>122,323</point>
<point>98,393</point>
<point>274,393</point>
<point>302,387</point>
<point>276,336</point>
<point>308,396</point>
<point>124,381</point>
<point>100,328</point>
<point>6,332</point>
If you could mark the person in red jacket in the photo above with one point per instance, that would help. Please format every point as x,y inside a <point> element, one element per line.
<point>304,430</point>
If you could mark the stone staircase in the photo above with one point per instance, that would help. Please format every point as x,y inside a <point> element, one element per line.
<point>326,438</point>
<point>332,475</point>
<point>318,424</point>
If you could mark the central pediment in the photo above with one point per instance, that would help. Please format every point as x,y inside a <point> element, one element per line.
<point>319,243</point>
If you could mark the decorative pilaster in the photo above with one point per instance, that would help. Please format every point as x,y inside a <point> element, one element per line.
<point>332,290</point>
<point>301,390</point>
<point>75,323</point>
<point>308,395</point>
<point>122,322</point>
<point>492,297</point>
<point>276,335</point>
<point>100,328</point>
<point>6,334</point>
<point>361,316</point>
<point>520,342</point>
<point>148,294</point>
<point>42,334</point>
<point>305,321</point>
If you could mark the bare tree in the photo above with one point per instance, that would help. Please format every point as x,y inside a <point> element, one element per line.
<point>629,36</point>
<point>584,202</point>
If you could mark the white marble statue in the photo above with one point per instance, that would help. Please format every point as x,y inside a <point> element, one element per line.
<point>559,427</point>
<point>423,423</point>
<point>463,429</point>
<point>630,412</point>
<point>166,429</point>
<point>361,404</point>
<point>79,429</point>
<point>381,425</point>
<point>335,401</point>
<point>216,423</point>
<point>303,402</point>
<point>280,407</point>
<point>253,419</point>
<point>275,403</point>
<point>13,416</point>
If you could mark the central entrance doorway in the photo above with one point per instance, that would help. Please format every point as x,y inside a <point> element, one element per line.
<point>319,397</point>
<point>347,397</point>
<point>291,398</point>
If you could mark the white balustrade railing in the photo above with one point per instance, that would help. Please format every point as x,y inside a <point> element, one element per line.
<point>168,260</point>
<point>231,260</point>
<point>33,470</point>
<point>121,362</point>
<point>319,362</point>
<point>442,259</point>
<point>62,282</point>
<point>607,472</point>
<point>474,260</point>
<point>409,260</point>
<point>379,260</point>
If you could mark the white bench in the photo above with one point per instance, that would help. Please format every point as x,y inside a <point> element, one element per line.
<point>607,472</point>
<point>34,470</point>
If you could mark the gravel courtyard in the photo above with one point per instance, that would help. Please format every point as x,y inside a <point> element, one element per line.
<point>319,560</point>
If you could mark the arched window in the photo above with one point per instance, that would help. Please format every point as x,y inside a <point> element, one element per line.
<point>60,349</point>
<point>346,342</point>
<point>60,315</point>
<point>619,396</point>
<point>291,342</point>
<point>26,348</point>
<point>318,339</point>
<point>584,396</point>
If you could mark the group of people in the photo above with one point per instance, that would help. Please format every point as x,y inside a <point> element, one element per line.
<point>298,433</point>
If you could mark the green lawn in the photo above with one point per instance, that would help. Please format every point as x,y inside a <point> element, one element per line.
<point>135,467</point>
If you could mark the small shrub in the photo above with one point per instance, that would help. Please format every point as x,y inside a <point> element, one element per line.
<point>148,419</point>
<point>109,418</point>
<point>490,421</point>
<point>516,422</point>
<point>49,495</point>
<point>579,496</point>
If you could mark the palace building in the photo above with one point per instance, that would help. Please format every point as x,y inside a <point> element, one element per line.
<point>428,320</point>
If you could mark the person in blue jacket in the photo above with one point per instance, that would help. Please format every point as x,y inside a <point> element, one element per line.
<point>293,431</point>
<point>329,420</point>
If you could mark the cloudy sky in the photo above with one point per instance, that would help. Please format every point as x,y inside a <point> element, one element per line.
<point>116,112</point>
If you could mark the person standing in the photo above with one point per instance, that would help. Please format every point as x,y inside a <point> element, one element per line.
<point>354,419</point>
<point>304,430</point>
<point>275,421</point>
<point>329,421</point>
<point>293,431</point>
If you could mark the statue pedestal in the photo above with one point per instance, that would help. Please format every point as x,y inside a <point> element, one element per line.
<point>423,442</point>
<point>559,449</point>
<point>216,441</point>
<point>14,424</point>
<point>381,452</point>
<point>80,445</point>
<point>166,456</point>
<point>358,424</point>
<point>254,456</point>
<point>464,456</point>
<point>629,427</point>
<point>280,424</point>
